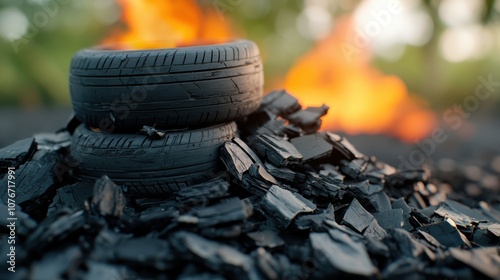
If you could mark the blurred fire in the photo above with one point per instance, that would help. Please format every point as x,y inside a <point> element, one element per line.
<point>168,23</point>
<point>361,99</point>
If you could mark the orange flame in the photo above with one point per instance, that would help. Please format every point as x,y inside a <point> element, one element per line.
<point>168,23</point>
<point>361,99</point>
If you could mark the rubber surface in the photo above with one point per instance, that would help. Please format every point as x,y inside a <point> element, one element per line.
<point>145,166</point>
<point>169,88</point>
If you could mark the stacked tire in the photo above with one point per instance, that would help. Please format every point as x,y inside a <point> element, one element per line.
<point>192,95</point>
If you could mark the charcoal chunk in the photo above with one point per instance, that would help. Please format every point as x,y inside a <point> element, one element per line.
<point>201,193</point>
<point>285,205</point>
<point>292,131</point>
<point>312,147</point>
<point>282,173</point>
<point>406,245</point>
<point>259,172</point>
<point>371,193</point>
<point>357,217</point>
<point>494,229</point>
<point>400,203</point>
<point>430,239</point>
<point>225,231</point>
<point>483,237</point>
<point>266,238</point>
<point>254,186</point>
<point>236,160</point>
<point>216,256</point>
<point>71,196</point>
<point>404,268</point>
<point>194,272</point>
<point>354,260</point>
<point>108,198</point>
<point>484,260</point>
<point>380,201</point>
<point>145,251</point>
<point>280,103</point>
<point>324,185</point>
<point>55,228</point>
<point>315,221</point>
<point>390,218</point>
<point>446,233</point>
<point>273,127</point>
<point>377,248</point>
<point>257,180</point>
<point>56,264</point>
<point>407,177</point>
<point>492,213</point>
<point>105,244</point>
<point>308,119</point>
<point>375,231</point>
<point>247,150</point>
<point>157,217</point>
<point>269,266</point>
<point>34,183</point>
<point>278,151</point>
<point>98,270</point>
<point>230,210</point>
<point>459,213</point>
<point>16,154</point>
<point>353,168</point>
<point>332,173</point>
<point>416,200</point>
<point>342,148</point>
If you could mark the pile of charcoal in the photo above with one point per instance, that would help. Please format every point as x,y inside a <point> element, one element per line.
<point>289,203</point>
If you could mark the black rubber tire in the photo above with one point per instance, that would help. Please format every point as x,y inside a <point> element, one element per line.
<point>191,87</point>
<point>144,166</point>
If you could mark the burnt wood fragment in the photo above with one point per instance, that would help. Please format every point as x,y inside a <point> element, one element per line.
<point>308,119</point>
<point>484,260</point>
<point>278,151</point>
<point>16,154</point>
<point>202,193</point>
<point>55,229</point>
<point>108,198</point>
<point>342,148</point>
<point>230,210</point>
<point>282,173</point>
<point>235,159</point>
<point>267,238</point>
<point>280,103</point>
<point>35,184</point>
<point>357,217</point>
<point>390,219</point>
<point>214,255</point>
<point>285,205</point>
<point>71,196</point>
<point>354,261</point>
<point>312,147</point>
<point>447,234</point>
